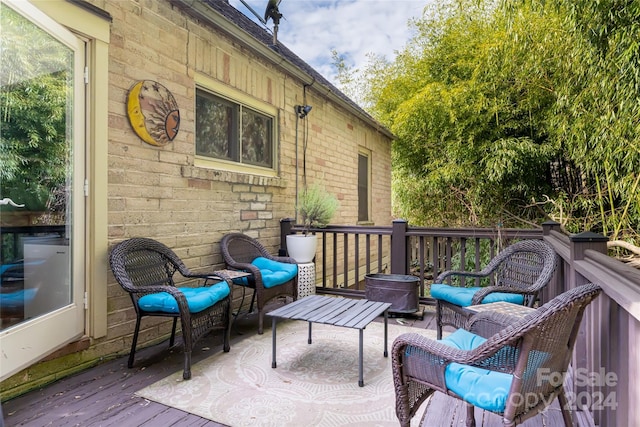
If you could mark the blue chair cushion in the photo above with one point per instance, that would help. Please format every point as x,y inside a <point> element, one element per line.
<point>275,273</point>
<point>480,387</point>
<point>5,267</point>
<point>18,298</point>
<point>198,299</point>
<point>462,296</point>
<point>463,340</point>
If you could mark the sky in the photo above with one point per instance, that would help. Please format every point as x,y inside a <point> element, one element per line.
<point>354,28</point>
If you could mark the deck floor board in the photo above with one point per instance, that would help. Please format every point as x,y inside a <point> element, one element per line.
<point>104,395</point>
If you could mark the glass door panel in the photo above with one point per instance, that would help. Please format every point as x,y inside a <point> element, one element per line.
<point>42,160</point>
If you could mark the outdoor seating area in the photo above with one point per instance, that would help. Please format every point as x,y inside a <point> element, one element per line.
<point>145,269</point>
<point>271,276</point>
<point>492,353</point>
<point>517,275</point>
<point>109,390</point>
<point>498,363</point>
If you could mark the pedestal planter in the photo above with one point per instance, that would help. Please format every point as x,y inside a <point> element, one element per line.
<point>306,279</point>
<point>302,247</point>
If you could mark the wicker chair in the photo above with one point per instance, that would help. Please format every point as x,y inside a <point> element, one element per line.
<point>518,273</point>
<point>513,373</point>
<point>145,269</point>
<point>240,252</point>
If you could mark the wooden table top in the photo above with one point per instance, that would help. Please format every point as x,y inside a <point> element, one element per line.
<point>338,311</point>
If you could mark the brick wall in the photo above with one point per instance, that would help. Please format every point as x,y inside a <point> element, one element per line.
<point>158,192</point>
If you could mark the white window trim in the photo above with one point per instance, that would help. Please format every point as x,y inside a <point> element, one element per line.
<point>233,95</point>
<point>366,153</point>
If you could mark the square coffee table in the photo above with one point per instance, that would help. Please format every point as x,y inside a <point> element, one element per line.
<point>337,311</point>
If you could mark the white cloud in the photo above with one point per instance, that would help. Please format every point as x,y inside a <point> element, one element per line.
<point>354,28</point>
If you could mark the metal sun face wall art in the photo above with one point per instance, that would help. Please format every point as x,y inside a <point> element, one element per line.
<point>153,112</point>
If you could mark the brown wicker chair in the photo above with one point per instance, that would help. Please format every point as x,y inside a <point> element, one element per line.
<point>239,251</point>
<point>520,270</point>
<point>145,268</point>
<point>529,353</point>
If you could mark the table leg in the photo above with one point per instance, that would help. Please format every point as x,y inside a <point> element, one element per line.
<point>386,332</point>
<point>273,342</point>
<point>309,339</point>
<point>360,351</point>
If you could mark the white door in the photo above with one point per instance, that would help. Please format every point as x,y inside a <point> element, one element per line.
<point>42,163</point>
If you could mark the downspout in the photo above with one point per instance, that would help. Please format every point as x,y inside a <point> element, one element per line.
<point>304,153</point>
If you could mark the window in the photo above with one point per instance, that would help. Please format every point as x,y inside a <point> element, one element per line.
<point>363,187</point>
<point>231,131</point>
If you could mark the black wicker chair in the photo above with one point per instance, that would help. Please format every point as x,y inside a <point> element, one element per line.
<point>239,251</point>
<point>514,372</point>
<point>518,274</point>
<point>145,268</point>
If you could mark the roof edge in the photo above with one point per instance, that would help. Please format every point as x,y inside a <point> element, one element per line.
<point>205,13</point>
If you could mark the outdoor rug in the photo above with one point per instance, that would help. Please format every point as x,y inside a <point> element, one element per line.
<point>313,385</point>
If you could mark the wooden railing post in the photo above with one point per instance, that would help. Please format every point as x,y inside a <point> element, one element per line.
<point>399,247</point>
<point>584,355</point>
<point>556,285</point>
<point>547,226</point>
<point>285,228</point>
<point>579,243</point>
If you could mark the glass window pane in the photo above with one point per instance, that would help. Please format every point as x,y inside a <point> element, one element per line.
<point>363,188</point>
<point>216,127</point>
<point>257,146</point>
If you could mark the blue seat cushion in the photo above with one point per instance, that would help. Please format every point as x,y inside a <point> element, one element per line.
<point>5,267</point>
<point>480,387</point>
<point>18,298</point>
<point>463,340</point>
<point>275,273</point>
<point>462,296</point>
<point>198,299</point>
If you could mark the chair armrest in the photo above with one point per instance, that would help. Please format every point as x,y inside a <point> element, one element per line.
<point>256,279</point>
<point>489,323</point>
<point>428,346</point>
<point>183,306</point>
<point>217,276</point>
<point>444,275</point>
<point>285,259</point>
<point>482,293</point>
<point>437,355</point>
<point>242,266</point>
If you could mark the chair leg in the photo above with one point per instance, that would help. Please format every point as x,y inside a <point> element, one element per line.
<point>134,342</point>
<point>226,333</point>
<point>471,417</point>
<point>173,332</point>
<point>564,408</point>
<point>260,321</point>
<point>438,321</point>
<point>253,299</point>
<point>186,374</point>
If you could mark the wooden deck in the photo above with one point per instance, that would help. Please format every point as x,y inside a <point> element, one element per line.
<point>105,395</point>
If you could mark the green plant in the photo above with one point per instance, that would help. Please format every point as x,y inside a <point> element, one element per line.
<point>316,207</point>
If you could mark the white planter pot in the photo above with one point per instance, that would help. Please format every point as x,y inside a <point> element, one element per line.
<point>302,248</point>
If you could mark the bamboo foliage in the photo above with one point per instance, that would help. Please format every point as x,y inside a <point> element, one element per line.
<point>516,112</point>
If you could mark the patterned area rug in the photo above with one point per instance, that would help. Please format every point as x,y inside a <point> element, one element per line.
<point>313,385</point>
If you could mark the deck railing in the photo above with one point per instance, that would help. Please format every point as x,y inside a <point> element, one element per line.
<point>347,253</point>
<point>606,359</point>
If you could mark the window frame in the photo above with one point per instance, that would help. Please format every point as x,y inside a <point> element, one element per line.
<point>366,154</point>
<point>242,100</point>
